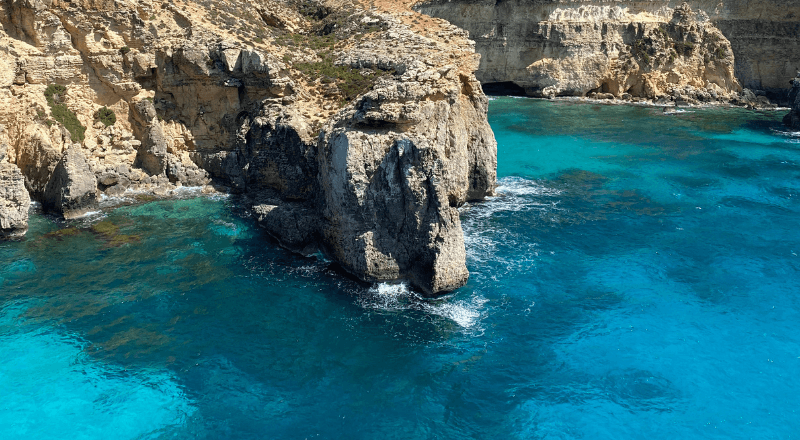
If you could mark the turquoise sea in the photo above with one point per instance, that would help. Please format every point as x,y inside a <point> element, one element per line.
<point>636,277</point>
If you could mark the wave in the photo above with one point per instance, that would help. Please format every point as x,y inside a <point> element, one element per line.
<point>399,297</point>
<point>494,241</point>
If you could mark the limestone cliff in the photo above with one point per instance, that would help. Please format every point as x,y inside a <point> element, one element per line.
<point>708,50</point>
<point>357,129</point>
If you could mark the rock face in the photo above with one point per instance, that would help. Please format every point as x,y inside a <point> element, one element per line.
<point>792,120</point>
<point>355,129</point>
<point>72,188</point>
<point>390,197</point>
<point>648,49</point>
<point>14,201</point>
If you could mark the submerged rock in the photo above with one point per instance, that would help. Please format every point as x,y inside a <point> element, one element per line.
<point>14,201</point>
<point>72,188</point>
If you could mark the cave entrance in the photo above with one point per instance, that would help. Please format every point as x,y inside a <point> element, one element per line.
<point>507,88</point>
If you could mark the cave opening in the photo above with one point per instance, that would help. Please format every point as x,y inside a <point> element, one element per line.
<point>507,88</point>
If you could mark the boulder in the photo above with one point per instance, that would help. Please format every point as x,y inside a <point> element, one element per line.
<point>72,188</point>
<point>14,202</point>
<point>294,225</point>
<point>152,154</point>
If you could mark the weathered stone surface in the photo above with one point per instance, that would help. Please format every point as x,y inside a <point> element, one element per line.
<point>72,189</point>
<point>570,48</point>
<point>395,167</point>
<point>294,225</point>
<point>792,120</point>
<point>14,201</point>
<point>152,155</point>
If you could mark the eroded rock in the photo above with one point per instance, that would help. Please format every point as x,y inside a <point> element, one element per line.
<point>14,201</point>
<point>72,188</point>
<point>645,49</point>
<point>269,113</point>
<point>792,120</point>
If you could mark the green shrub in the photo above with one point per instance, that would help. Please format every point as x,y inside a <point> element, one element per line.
<point>55,97</point>
<point>106,116</point>
<point>125,49</point>
<point>351,82</point>
<point>54,93</point>
<point>69,120</point>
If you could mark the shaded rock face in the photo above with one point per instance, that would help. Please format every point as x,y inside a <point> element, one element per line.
<point>390,199</point>
<point>554,48</point>
<point>72,188</point>
<point>14,201</point>
<point>792,120</point>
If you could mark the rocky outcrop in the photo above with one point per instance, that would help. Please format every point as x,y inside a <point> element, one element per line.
<point>792,120</point>
<point>353,128</point>
<point>708,50</point>
<point>14,201</point>
<point>390,197</point>
<point>72,188</point>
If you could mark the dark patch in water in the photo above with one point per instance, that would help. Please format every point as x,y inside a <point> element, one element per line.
<point>748,204</point>
<point>738,171</point>
<point>692,182</point>
<point>639,389</point>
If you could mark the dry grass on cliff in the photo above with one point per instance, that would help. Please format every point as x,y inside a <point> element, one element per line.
<point>402,9</point>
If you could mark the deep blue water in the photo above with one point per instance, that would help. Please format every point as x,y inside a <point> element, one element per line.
<point>636,277</point>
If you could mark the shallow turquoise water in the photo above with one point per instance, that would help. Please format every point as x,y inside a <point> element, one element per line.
<point>635,277</point>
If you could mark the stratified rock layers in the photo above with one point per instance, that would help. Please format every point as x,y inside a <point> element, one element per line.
<point>569,48</point>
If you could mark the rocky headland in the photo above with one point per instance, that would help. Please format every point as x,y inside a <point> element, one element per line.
<point>352,127</point>
<point>356,129</point>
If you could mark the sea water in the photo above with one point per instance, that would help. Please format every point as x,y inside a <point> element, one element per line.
<point>636,276</point>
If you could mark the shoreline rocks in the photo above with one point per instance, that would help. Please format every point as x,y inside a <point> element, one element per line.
<point>14,202</point>
<point>72,188</point>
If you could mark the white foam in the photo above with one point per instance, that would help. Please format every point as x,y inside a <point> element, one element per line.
<point>520,186</point>
<point>398,297</point>
<point>484,238</point>
<point>88,214</point>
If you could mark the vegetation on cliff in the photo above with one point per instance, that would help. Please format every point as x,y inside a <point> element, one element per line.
<point>55,95</point>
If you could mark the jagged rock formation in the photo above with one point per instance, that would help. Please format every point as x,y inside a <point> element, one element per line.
<point>698,50</point>
<point>14,201</point>
<point>356,129</point>
<point>792,120</point>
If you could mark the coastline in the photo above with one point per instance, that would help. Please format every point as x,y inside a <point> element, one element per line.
<point>647,103</point>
